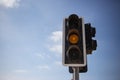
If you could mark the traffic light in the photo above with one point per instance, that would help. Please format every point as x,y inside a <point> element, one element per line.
<point>91,44</point>
<point>74,48</point>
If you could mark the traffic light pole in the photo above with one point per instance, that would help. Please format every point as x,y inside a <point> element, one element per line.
<point>75,73</point>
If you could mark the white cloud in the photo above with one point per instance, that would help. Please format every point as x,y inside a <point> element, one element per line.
<point>56,36</point>
<point>43,67</point>
<point>56,40</point>
<point>56,48</point>
<point>58,63</point>
<point>9,3</point>
<point>42,55</point>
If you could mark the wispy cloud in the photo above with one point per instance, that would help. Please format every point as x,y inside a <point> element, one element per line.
<point>56,36</point>
<point>43,67</point>
<point>42,55</point>
<point>57,48</point>
<point>56,40</point>
<point>58,63</point>
<point>9,3</point>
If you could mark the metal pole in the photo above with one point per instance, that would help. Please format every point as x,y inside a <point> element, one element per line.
<point>75,73</point>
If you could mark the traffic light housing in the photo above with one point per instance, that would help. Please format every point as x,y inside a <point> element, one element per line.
<point>91,44</point>
<point>74,48</point>
<point>81,69</point>
<point>77,43</point>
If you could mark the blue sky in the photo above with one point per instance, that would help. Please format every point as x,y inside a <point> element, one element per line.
<point>31,33</point>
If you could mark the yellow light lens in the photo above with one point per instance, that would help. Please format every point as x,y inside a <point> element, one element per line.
<point>73,38</point>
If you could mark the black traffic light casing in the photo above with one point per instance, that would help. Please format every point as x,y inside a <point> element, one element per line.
<point>74,48</point>
<point>81,69</point>
<point>91,44</point>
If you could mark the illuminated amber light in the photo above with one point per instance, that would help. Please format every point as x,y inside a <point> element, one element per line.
<point>73,38</point>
